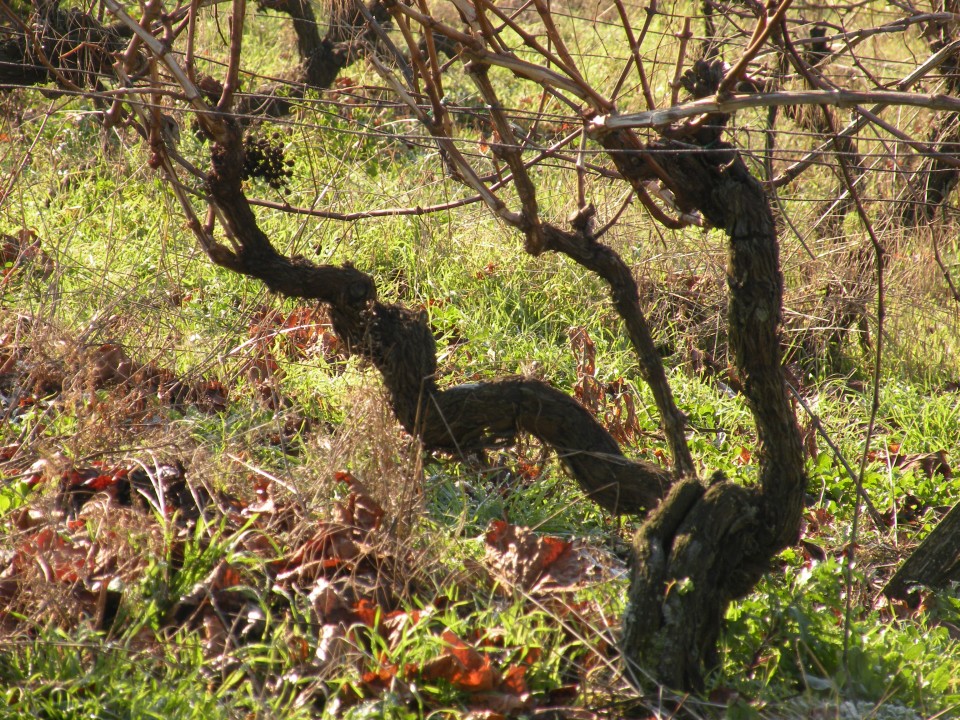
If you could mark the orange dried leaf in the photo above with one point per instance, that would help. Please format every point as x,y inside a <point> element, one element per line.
<point>379,679</point>
<point>930,464</point>
<point>462,666</point>
<point>361,511</point>
<point>109,363</point>
<point>329,547</point>
<point>514,680</point>
<point>743,457</point>
<point>367,612</point>
<point>523,559</point>
<point>298,648</point>
<point>345,477</point>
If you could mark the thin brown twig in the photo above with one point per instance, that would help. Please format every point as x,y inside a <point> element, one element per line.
<point>549,152</point>
<point>474,49</point>
<point>854,37</point>
<point>581,173</point>
<point>918,146</point>
<point>466,171</point>
<point>930,64</point>
<point>435,72</point>
<point>125,64</point>
<point>232,80</point>
<point>934,240</point>
<point>529,40</point>
<point>160,153</point>
<point>811,76</point>
<point>837,453</point>
<point>431,80</point>
<point>486,30</point>
<point>635,59</point>
<point>615,218</point>
<point>764,27</point>
<point>190,57</point>
<point>383,37</point>
<point>684,38</point>
<point>367,214</point>
<point>211,121</point>
<point>509,150</point>
<point>546,16</point>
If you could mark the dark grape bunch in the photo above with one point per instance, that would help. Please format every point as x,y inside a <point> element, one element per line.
<point>264,158</point>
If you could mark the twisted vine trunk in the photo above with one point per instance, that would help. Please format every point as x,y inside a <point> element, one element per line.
<point>42,43</point>
<point>398,342</point>
<point>707,545</point>
<point>323,57</point>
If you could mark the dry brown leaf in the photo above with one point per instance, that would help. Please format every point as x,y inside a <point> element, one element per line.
<point>521,559</point>
<point>361,511</point>
<point>462,666</point>
<point>330,547</point>
<point>934,463</point>
<point>109,363</point>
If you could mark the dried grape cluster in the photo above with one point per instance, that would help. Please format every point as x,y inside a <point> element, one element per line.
<point>264,158</point>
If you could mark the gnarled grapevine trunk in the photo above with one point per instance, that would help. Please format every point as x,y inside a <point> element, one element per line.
<point>68,47</point>
<point>400,345</point>
<point>322,58</point>
<point>705,546</point>
<point>707,543</point>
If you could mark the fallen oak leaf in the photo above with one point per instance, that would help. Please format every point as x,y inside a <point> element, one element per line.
<point>360,509</point>
<point>109,364</point>
<point>59,559</point>
<point>24,249</point>
<point>908,509</point>
<point>514,680</point>
<point>368,613</point>
<point>379,680</point>
<point>498,704</point>
<point>348,479</point>
<point>326,599</point>
<point>743,457</point>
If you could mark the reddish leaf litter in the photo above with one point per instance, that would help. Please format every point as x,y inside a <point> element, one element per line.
<point>908,510</point>
<point>927,464</point>
<point>68,561</point>
<point>612,403</point>
<point>304,333</point>
<point>21,253</point>
<point>300,334</point>
<point>519,559</point>
<point>351,579</point>
<point>339,588</point>
<point>486,688</point>
<point>36,374</point>
<point>820,530</point>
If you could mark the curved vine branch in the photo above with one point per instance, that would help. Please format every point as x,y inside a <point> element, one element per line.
<point>400,345</point>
